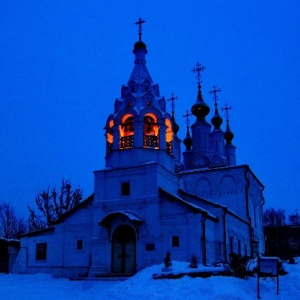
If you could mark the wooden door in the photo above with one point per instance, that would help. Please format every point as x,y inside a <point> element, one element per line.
<point>123,250</point>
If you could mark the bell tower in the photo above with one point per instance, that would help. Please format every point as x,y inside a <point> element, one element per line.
<point>140,130</point>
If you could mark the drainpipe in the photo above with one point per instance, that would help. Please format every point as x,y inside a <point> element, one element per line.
<point>224,211</point>
<point>251,235</point>
<point>204,215</point>
<point>63,251</point>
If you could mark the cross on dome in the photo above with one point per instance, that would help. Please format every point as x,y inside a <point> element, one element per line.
<point>228,136</point>
<point>172,99</point>
<point>226,108</point>
<point>187,116</point>
<point>198,69</point>
<point>140,29</point>
<point>214,91</point>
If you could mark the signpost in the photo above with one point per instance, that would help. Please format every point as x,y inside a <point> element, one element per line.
<point>267,267</point>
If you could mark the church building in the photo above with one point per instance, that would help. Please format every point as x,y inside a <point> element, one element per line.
<point>150,198</point>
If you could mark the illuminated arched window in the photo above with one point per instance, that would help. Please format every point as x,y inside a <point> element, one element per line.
<point>169,136</point>
<point>151,130</point>
<point>109,136</point>
<point>126,131</point>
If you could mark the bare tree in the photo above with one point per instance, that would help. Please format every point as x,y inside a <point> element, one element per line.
<point>52,205</point>
<point>11,226</point>
<point>272,217</point>
<point>294,219</point>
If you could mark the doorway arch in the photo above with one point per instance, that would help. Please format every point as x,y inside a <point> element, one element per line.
<point>123,256</point>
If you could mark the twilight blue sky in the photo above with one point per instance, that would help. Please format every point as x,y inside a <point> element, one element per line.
<point>62,64</point>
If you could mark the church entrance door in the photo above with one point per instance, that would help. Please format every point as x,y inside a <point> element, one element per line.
<point>123,250</point>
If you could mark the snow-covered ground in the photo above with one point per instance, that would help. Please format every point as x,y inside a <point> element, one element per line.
<point>142,286</point>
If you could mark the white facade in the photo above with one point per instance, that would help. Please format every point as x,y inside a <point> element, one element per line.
<point>146,202</point>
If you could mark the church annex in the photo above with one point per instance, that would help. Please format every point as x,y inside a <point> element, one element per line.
<point>150,198</point>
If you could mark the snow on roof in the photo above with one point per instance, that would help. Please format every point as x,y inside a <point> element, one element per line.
<point>10,240</point>
<point>195,207</point>
<point>215,204</point>
<point>37,232</point>
<point>210,169</point>
<point>130,215</point>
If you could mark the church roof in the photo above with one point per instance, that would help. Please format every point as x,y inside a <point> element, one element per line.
<point>38,232</point>
<point>196,208</point>
<point>11,242</point>
<point>130,215</point>
<point>208,169</point>
<point>140,91</point>
<point>218,205</point>
<point>83,203</point>
<point>140,74</point>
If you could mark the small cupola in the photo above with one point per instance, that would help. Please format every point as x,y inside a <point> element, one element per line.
<point>200,109</point>
<point>187,140</point>
<point>228,136</point>
<point>216,119</point>
<point>175,125</point>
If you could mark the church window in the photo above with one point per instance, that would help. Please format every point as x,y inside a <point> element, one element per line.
<point>151,130</point>
<point>109,136</point>
<point>169,136</point>
<point>125,188</point>
<point>150,247</point>
<point>126,131</point>
<point>175,241</point>
<point>239,247</point>
<point>79,245</point>
<point>41,251</point>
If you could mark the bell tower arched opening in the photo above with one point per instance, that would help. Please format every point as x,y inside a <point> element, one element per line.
<point>151,131</point>
<point>169,136</point>
<point>109,136</point>
<point>126,130</point>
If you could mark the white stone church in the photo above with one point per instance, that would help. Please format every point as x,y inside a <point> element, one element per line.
<point>148,200</point>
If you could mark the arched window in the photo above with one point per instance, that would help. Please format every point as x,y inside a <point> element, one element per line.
<point>169,136</point>
<point>151,130</point>
<point>126,130</point>
<point>109,136</point>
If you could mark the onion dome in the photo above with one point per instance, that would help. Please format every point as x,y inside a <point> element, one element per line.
<point>216,120</point>
<point>140,45</point>
<point>188,140</point>
<point>200,109</point>
<point>175,128</point>
<point>228,136</point>
<point>175,125</point>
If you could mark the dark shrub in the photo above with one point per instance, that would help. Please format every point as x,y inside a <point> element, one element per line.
<point>167,260</point>
<point>194,262</point>
<point>238,265</point>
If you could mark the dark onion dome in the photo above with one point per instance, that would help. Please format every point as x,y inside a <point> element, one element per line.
<point>188,141</point>
<point>175,125</point>
<point>140,45</point>
<point>200,109</point>
<point>175,128</point>
<point>228,136</point>
<point>216,120</point>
